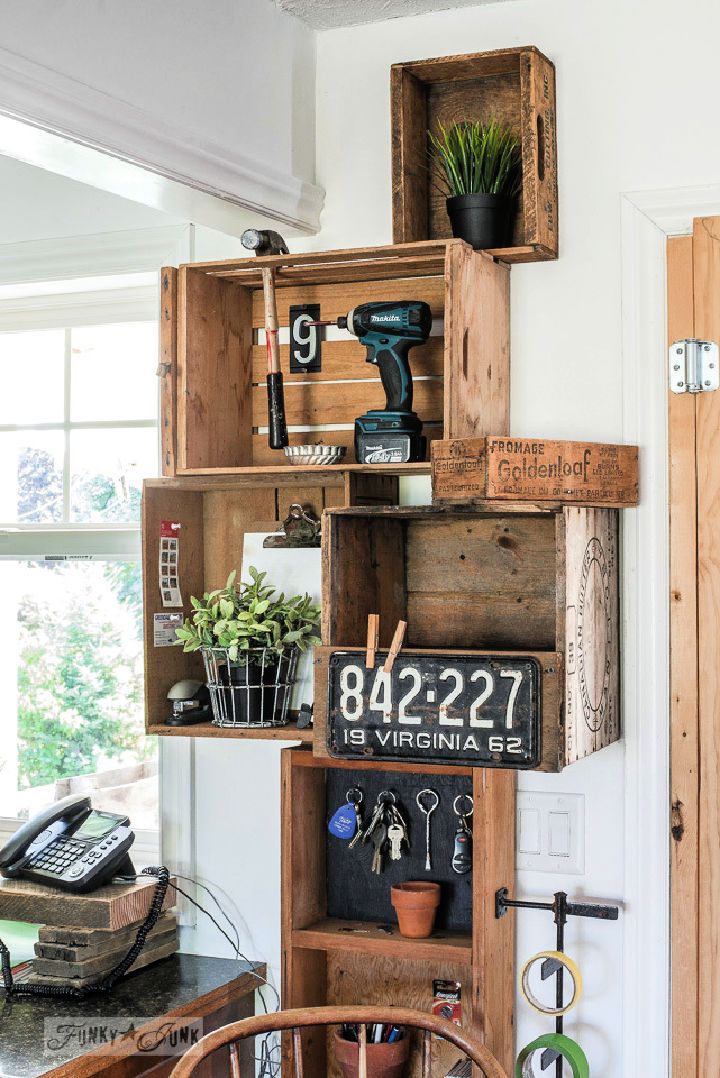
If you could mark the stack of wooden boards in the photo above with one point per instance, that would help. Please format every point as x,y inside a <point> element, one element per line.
<point>83,937</point>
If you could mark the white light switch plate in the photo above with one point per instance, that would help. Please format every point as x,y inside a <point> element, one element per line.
<point>551,832</point>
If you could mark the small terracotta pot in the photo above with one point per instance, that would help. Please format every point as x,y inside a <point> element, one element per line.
<point>416,902</point>
<point>383,1060</point>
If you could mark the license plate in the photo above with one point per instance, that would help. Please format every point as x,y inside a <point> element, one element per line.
<point>468,710</point>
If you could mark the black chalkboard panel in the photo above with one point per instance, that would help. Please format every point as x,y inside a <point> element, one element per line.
<point>355,893</point>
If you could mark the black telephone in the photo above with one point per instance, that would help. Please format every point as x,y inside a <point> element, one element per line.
<point>70,845</point>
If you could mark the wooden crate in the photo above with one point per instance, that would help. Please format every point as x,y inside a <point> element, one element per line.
<point>214,514</point>
<point>465,470</point>
<point>515,85</point>
<point>518,578</point>
<point>213,364</point>
<point>331,961</point>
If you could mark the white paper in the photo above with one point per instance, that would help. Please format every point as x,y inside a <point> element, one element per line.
<point>293,572</point>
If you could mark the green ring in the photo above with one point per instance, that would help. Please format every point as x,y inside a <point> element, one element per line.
<point>569,1049</point>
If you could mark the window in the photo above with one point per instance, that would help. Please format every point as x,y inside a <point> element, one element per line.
<point>78,434</point>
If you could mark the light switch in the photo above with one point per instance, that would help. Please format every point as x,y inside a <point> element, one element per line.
<point>551,832</point>
<point>529,831</point>
<point>559,827</point>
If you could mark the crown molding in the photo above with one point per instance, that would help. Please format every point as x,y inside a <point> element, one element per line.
<point>95,255</point>
<point>63,106</point>
<point>672,211</point>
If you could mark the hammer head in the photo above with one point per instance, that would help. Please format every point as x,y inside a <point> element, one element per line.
<point>264,242</point>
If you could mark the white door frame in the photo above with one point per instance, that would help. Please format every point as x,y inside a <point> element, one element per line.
<point>648,219</point>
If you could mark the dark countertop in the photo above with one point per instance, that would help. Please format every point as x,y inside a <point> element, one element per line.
<point>170,986</point>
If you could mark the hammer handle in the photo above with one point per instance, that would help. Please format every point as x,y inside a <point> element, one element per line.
<point>271,326</point>
<point>277,426</point>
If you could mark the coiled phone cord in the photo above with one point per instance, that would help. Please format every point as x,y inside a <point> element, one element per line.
<point>110,979</point>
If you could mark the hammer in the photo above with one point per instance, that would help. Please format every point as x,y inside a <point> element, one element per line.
<point>271,243</point>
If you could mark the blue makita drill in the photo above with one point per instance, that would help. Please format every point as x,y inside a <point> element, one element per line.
<point>392,435</point>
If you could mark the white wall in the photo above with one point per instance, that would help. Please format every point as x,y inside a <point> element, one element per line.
<point>630,117</point>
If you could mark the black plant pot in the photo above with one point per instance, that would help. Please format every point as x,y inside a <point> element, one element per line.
<point>251,675</point>
<point>481,220</point>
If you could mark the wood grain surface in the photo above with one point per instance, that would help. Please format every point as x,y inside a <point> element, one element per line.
<point>214,515</point>
<point>684,741</point>
<point>706,275</point>
<point>112,907</point>
<point>592,630</point>
<point>517,87</point>
<point>167,369</point>
<point>477,344</point>
<point>72,944</point>
<point>214,400</point>
<point>536,469</point>
<point>323,963</point>
<point>214,339</point>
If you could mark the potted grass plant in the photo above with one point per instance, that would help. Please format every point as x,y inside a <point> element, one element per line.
<point>250,638</point>
<point>477,168</point>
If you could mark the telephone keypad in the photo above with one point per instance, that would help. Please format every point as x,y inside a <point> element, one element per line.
<point>67,856</point>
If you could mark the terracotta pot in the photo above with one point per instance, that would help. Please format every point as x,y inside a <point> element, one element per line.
<point>415,903</point>
<point>383,1060</point>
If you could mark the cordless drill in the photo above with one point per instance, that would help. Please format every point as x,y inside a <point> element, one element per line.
<point>393,434</point>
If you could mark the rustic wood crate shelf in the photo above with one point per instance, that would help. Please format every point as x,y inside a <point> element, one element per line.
<point>517,86</point>
<point>213,362</point>
<point>333,960</point>
<point>367,937</point>
<point>530,580</point>
<point>206,729</point>
<point>214,514</point>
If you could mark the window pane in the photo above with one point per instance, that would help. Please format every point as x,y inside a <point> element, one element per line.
<point>113,372</point>
<point>72,661</point>
<point>107,468</point>
<point>31,477</point>
<point>32,376</point>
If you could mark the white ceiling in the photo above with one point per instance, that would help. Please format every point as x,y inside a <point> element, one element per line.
<point>328,14</point>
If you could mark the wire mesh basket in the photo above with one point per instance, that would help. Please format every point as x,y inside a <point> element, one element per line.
<point>255,690</point>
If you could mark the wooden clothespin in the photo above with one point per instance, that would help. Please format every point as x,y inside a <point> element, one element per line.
<point>373,639</point>
<point>397,641</point>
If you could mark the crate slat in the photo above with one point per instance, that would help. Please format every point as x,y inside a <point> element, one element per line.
<point>346,359</point>
<point>311,403</point>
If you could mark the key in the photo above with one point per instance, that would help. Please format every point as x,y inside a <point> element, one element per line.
<point>462,857</point>
<point>374,820</point>
<point>396,837</point>
<point>378,841</point>
<point>356,838</point>
<point>427,800</point>
<point>355,797</point>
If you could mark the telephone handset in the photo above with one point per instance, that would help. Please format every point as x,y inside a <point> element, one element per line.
<point>70,845</point>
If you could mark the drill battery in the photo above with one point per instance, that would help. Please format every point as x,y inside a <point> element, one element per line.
<point>383,437</point>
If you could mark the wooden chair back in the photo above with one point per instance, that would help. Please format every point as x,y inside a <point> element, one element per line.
<point>297,1020</point>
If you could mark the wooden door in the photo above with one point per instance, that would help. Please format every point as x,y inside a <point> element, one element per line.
<point>694,470</point>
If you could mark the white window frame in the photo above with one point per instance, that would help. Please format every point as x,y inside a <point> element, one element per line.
<point>110,254</point>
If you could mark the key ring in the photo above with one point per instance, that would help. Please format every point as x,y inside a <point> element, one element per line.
<point>457,812</point>
<point>430,793</point>
<point>386,797</point>
<point>354,796</point>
